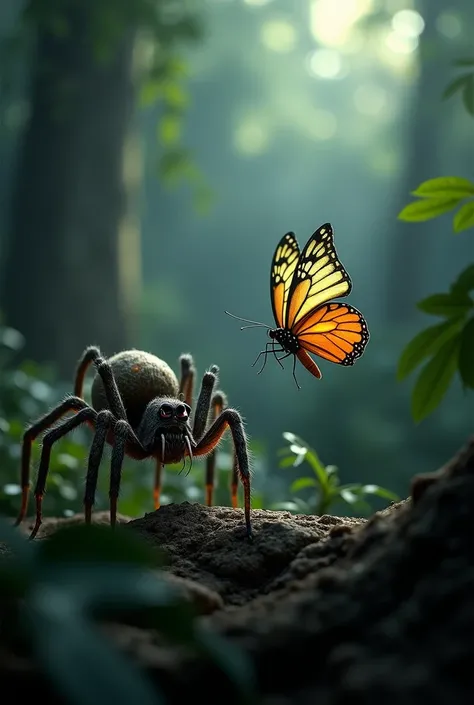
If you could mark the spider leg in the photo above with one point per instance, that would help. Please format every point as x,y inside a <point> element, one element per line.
<point>69,404</point>
<point>203,404</point>
<point>104,422</point>
<point>104,369</point>
<point>187,378</point>
<point>218,404</point>
<point>86,415</point>
<point>123,435</point>
<point>294,374</point>
<point>230,418</point>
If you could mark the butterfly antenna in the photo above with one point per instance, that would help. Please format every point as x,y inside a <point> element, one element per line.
<point>254,324</point>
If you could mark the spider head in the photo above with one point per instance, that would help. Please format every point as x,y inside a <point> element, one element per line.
<point>172,415</point>
<point>165,428</point>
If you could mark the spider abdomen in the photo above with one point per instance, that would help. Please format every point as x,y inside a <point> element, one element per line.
<point>140,377</point>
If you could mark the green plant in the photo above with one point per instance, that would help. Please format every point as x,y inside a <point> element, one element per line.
<point>325,482</point>
<point>60,589</point>
<point>463,84</point>
<point>448,346</point>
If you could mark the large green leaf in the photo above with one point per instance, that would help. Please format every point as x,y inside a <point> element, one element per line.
<point>96,543</point>
<point>434,379</point>
<point>466,355</point>
<point>84,668</point>
<point>465,280</point>
<point>464,218</point>
<point>428,208</point>
<point>451,304</point>
<point>468,95</point>
<point>231,660</point>
<point>302,483</point>
<point>425,344</point>
<point>445,187</point>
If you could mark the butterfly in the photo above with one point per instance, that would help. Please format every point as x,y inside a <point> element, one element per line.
<point>303,285</point>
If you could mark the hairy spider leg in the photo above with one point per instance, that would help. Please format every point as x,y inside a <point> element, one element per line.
<point>188,372</point>
<point>91,355</point>
<point>105,426</point>
<point>72,403</point>
<point>123,435</point>
<point>218,404</point>
<point>230,418</point>
<point>203,404</point>
<point>85,415</point>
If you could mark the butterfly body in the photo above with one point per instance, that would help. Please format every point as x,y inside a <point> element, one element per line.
<point>303,286</point>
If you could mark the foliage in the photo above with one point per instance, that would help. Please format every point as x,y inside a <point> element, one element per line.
<point>161,27</point>
<point>448,346</point>
<point>441,195</point>
<point>60,589</point>
<point>325,484</point>
<point>463,84</point>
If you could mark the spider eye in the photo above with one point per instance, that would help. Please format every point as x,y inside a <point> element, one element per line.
<point>165,411</point>
<point>181,411</point>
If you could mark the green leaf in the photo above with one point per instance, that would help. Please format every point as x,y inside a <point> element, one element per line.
<point>297,506</point>
<point>468,95</point>
<point>434,379</point>
<point>466,355</point>
<point>302,483</point>
<point>380,492</point>
<point>175,96</point>
<point>348,495</point>
<point>82,665</point>
<point>424,345</point>
<point>445,187</point>
<point>464,218</point>
<point>465,280</point>
<point>464,62</point>
<point>231,660</point>
<point>288,462</point>
<point>95,543</point>
<point>169,130</point>
<point>450,305</point>
<point>427,208</point>
<point>457,85</point>
<point>149,93</point>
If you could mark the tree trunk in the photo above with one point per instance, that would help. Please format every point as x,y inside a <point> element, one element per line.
<point>62,284</point>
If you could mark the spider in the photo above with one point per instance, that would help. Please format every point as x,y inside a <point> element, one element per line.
<point>139,408</point>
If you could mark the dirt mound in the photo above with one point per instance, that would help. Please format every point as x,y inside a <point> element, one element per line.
<point>333,611</point>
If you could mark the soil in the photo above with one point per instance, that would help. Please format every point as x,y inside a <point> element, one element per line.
<point>332,610</point>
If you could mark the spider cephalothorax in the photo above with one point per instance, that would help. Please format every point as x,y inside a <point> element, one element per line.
<point>141,410</point>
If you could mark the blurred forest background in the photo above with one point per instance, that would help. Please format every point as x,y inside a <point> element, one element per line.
<point>152,155</point>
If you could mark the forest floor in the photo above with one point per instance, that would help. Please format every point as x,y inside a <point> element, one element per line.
<point>332,610</point>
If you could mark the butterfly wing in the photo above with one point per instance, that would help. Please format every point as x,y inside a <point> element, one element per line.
<point>283,267</point>
<point>318,277</point>
<point>335,331</point>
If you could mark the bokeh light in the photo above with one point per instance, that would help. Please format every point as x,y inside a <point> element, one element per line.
<point>279,35</point>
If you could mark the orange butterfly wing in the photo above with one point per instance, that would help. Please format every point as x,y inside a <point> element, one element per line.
<point>283,267</point>
<point>335,331</point>
<point>318,277</point>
